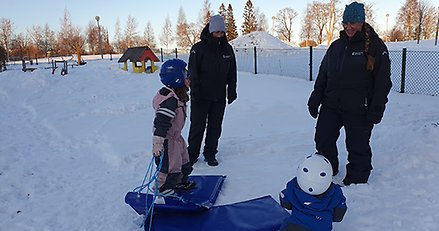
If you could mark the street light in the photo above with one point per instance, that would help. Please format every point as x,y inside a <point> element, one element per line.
<point>387,27</point>
<point>272,24</point>
<point>437,26</point>
<point>100,37</point>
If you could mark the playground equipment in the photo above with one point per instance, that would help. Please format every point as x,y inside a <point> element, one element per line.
<point>3,58</point>
<point>138,56</point>
<point>25,68</point>
<point>64,69</point>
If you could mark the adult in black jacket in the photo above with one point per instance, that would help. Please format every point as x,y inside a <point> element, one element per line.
<point>351,90</point>
<point>212,70</point>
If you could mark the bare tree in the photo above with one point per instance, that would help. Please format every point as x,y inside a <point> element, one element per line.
<point>19,46</point>
<point>183,40</point>
<point>331,21</point>
<point>430,21</point>
<point>5,34</point>
<point>284,23</point>
<point>317,16</point>
<point>118,41</point>
<point>193,33</point>
<point>36,37</point>
<point>149,36</point>
<point>206,12</point>
<point>262,23</point>
<point>309,30</point>
<point>70,40</point>
<point>131,35</point>
<point>407,17</point>
<point>370,16</point>
<point>166,38</point>
<point>425,19</point>
<point>49,40</point>
<point>92,33</point>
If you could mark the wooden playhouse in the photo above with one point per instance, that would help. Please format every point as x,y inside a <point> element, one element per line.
<point>139,56</point>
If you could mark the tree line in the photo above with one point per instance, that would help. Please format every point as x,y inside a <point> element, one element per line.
<point>417,19</point>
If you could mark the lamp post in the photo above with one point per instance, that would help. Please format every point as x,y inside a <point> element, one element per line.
<point>437,27</point>
<point>100,37</point>
<point>387,27</point>
<point>272,25</point>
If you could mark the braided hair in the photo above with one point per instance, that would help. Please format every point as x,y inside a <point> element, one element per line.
<point>370,59</point>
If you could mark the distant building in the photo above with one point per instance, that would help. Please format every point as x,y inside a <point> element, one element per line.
<point>139,56</point>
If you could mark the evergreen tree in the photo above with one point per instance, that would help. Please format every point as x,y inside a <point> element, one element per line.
<point>250,23</point>
<point>231,29</point>
<point>223,12</point>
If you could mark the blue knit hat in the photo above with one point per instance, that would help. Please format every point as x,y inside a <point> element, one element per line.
<point>354,12</point>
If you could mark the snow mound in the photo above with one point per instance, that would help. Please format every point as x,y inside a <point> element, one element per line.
<point>259,39</point>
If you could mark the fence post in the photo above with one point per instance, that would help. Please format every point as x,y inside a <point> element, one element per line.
<point>404,61</point>
<point>176,54</point>
<point>310,63</point>
<point>256,61</point>
<point>161,54</point>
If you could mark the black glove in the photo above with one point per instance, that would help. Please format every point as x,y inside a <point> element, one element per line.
<point>313,111</point>
<point>231,97</point>
<point>375,114</point>
<point>374,118</point>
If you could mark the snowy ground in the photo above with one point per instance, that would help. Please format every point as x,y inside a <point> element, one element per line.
<point>71,147</point>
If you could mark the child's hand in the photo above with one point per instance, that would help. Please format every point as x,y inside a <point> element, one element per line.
<point>157,145</point>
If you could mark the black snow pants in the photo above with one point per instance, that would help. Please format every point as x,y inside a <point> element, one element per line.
<point>205,114</point>
<point>358,131</point>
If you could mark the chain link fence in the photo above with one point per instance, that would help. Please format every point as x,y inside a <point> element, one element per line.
<point>414,72</point>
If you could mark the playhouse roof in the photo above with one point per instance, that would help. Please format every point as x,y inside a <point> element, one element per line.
<point>135,54</point>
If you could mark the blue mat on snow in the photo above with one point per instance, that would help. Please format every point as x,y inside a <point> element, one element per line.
<point>261,214</point>
<point>202,197</point>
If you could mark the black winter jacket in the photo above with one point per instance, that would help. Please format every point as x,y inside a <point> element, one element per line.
<point>344,83</point>
<point>212,69</point>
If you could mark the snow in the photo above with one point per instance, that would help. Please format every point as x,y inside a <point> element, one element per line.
<point>259,39</point>
<point>72,146</point>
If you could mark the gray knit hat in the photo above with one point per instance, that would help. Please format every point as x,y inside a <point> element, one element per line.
<point>216,23</point>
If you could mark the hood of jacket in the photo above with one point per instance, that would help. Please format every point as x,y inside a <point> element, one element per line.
<point>206,36</point>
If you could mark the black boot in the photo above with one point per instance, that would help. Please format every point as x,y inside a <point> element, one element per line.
<point>211,161</point>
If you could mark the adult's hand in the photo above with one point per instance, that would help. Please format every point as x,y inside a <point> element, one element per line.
<point>313,111</point>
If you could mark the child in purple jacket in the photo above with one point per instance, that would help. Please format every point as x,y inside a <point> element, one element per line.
<point>315,202</point>
<point>170,117</point>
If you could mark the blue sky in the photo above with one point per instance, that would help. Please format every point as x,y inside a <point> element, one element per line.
<point>25,14</point>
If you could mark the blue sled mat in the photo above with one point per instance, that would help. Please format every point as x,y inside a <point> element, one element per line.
<point>260,214</point>
<point>202,197</point>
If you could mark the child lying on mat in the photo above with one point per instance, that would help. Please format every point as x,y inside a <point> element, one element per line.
<point>315,202</point>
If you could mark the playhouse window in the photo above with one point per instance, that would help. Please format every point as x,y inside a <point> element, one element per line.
<point>138,64</point>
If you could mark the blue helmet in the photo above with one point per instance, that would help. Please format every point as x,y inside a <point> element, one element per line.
<point>173,73</point>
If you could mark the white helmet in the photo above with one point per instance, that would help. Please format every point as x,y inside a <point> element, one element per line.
<point>314,174</point>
